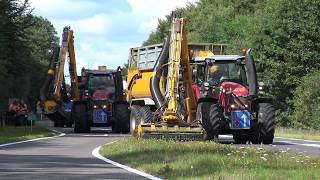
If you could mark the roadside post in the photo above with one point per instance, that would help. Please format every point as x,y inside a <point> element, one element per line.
<point>31,117</point>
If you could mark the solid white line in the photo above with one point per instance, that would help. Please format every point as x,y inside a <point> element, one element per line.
<point>312,141</point>
<point>95,135</point>
<point>301,144</point>
<point>96,154</point>
<point>31,140</point>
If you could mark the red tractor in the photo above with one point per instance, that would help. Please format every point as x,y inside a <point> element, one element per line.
<point>230,102</point>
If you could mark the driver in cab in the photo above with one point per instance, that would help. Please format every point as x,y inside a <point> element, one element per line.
<point>217,73</point>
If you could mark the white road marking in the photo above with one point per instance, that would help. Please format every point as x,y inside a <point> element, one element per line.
<point>309,143</point>
<point>96,135</point>
<point>31,140</point>
<point>312,141</point>
<point>96,154</point>
<point>301,144</point>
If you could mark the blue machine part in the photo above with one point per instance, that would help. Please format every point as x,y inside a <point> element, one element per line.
<point>100,116</point>
<point>240,120</point>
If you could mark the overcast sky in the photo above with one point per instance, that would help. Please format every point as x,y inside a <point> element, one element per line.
<point>105,29</point>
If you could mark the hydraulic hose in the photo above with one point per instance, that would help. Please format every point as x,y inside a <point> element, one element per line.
<point>155,80</point>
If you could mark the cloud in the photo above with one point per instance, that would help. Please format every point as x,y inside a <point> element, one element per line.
<point>106,30</point>
<point>97,24</point>
<point>156,8</point>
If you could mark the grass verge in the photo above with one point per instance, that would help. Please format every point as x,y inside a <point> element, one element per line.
<point>20,133</point>
<point>298,133</point>
<point>209,160</point>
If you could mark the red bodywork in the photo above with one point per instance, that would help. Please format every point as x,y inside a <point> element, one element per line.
<point>100,95</point>
<point>226,91</point>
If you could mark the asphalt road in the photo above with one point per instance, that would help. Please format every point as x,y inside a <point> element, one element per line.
<point>66,157</point>
<point>70,156</point>
<point>285,145</point>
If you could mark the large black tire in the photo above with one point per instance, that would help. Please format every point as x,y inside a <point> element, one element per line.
<point>240,138</point>
<point>266,119</point>
<point>256,135</point>
<point>146,114</point>
<point>58,123</point>
<point>135,118</point>
<point>122,120</point>
<point>69,120</point>
<point>80,117</point>
<point>215,120</point>
<point>209,115</point>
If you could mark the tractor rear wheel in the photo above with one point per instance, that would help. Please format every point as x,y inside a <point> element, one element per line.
<point>135,119</point>
<point>80,117</point>
<point>266,119</point>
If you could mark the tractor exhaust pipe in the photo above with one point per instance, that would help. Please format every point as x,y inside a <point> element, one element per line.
<point>155,80</point>
<point>252,74</point>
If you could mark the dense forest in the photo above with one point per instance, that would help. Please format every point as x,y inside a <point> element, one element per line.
<point>284,36</point>
<point>25,44</point>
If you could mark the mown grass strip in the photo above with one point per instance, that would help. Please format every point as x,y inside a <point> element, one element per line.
<point>20,133</point>
<point>298,133</point>
<point>209,160</point>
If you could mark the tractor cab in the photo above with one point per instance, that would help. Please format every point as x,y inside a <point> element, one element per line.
<point>223,72</point>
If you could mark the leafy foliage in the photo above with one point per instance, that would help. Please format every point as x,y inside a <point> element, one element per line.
<point>306,102</point>
<point>283,34</point>
<point>25,41</point>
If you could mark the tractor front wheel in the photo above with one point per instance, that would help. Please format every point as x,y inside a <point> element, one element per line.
<point>209,115</point>
<point>80,116</point>
<point>121,123</point>
<point>266,119</point>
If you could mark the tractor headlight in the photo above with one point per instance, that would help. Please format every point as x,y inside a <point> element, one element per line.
<point>104,106</point>
<point>233,106</point>
<point>95,106</point>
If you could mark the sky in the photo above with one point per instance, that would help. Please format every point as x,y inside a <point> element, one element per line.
<point>105,30</point>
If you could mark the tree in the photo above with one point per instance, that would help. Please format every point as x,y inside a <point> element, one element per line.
<point>25,41</point>
<point>306,102</point>
<point>289,45</point>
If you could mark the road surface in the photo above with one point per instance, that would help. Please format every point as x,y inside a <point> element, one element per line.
<point>66,157</point>
<point>288,145</point>
<point>70,156</point>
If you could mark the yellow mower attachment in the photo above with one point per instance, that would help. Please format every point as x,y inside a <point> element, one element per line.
<point>172,132</point>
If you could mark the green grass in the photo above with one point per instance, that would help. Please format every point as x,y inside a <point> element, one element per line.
<point>298,133</point>
<point>12,134</point>
<point>209,160</point>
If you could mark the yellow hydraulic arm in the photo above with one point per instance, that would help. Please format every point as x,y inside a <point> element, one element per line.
<point>179,67</point>
<point>67,47</point>
<point>51,105</point>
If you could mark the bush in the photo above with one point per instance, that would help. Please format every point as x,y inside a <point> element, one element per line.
<point>306,102</point>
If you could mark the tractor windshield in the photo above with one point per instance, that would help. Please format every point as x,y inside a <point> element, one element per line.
<point>101,84</point>
<point>230,71</point>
